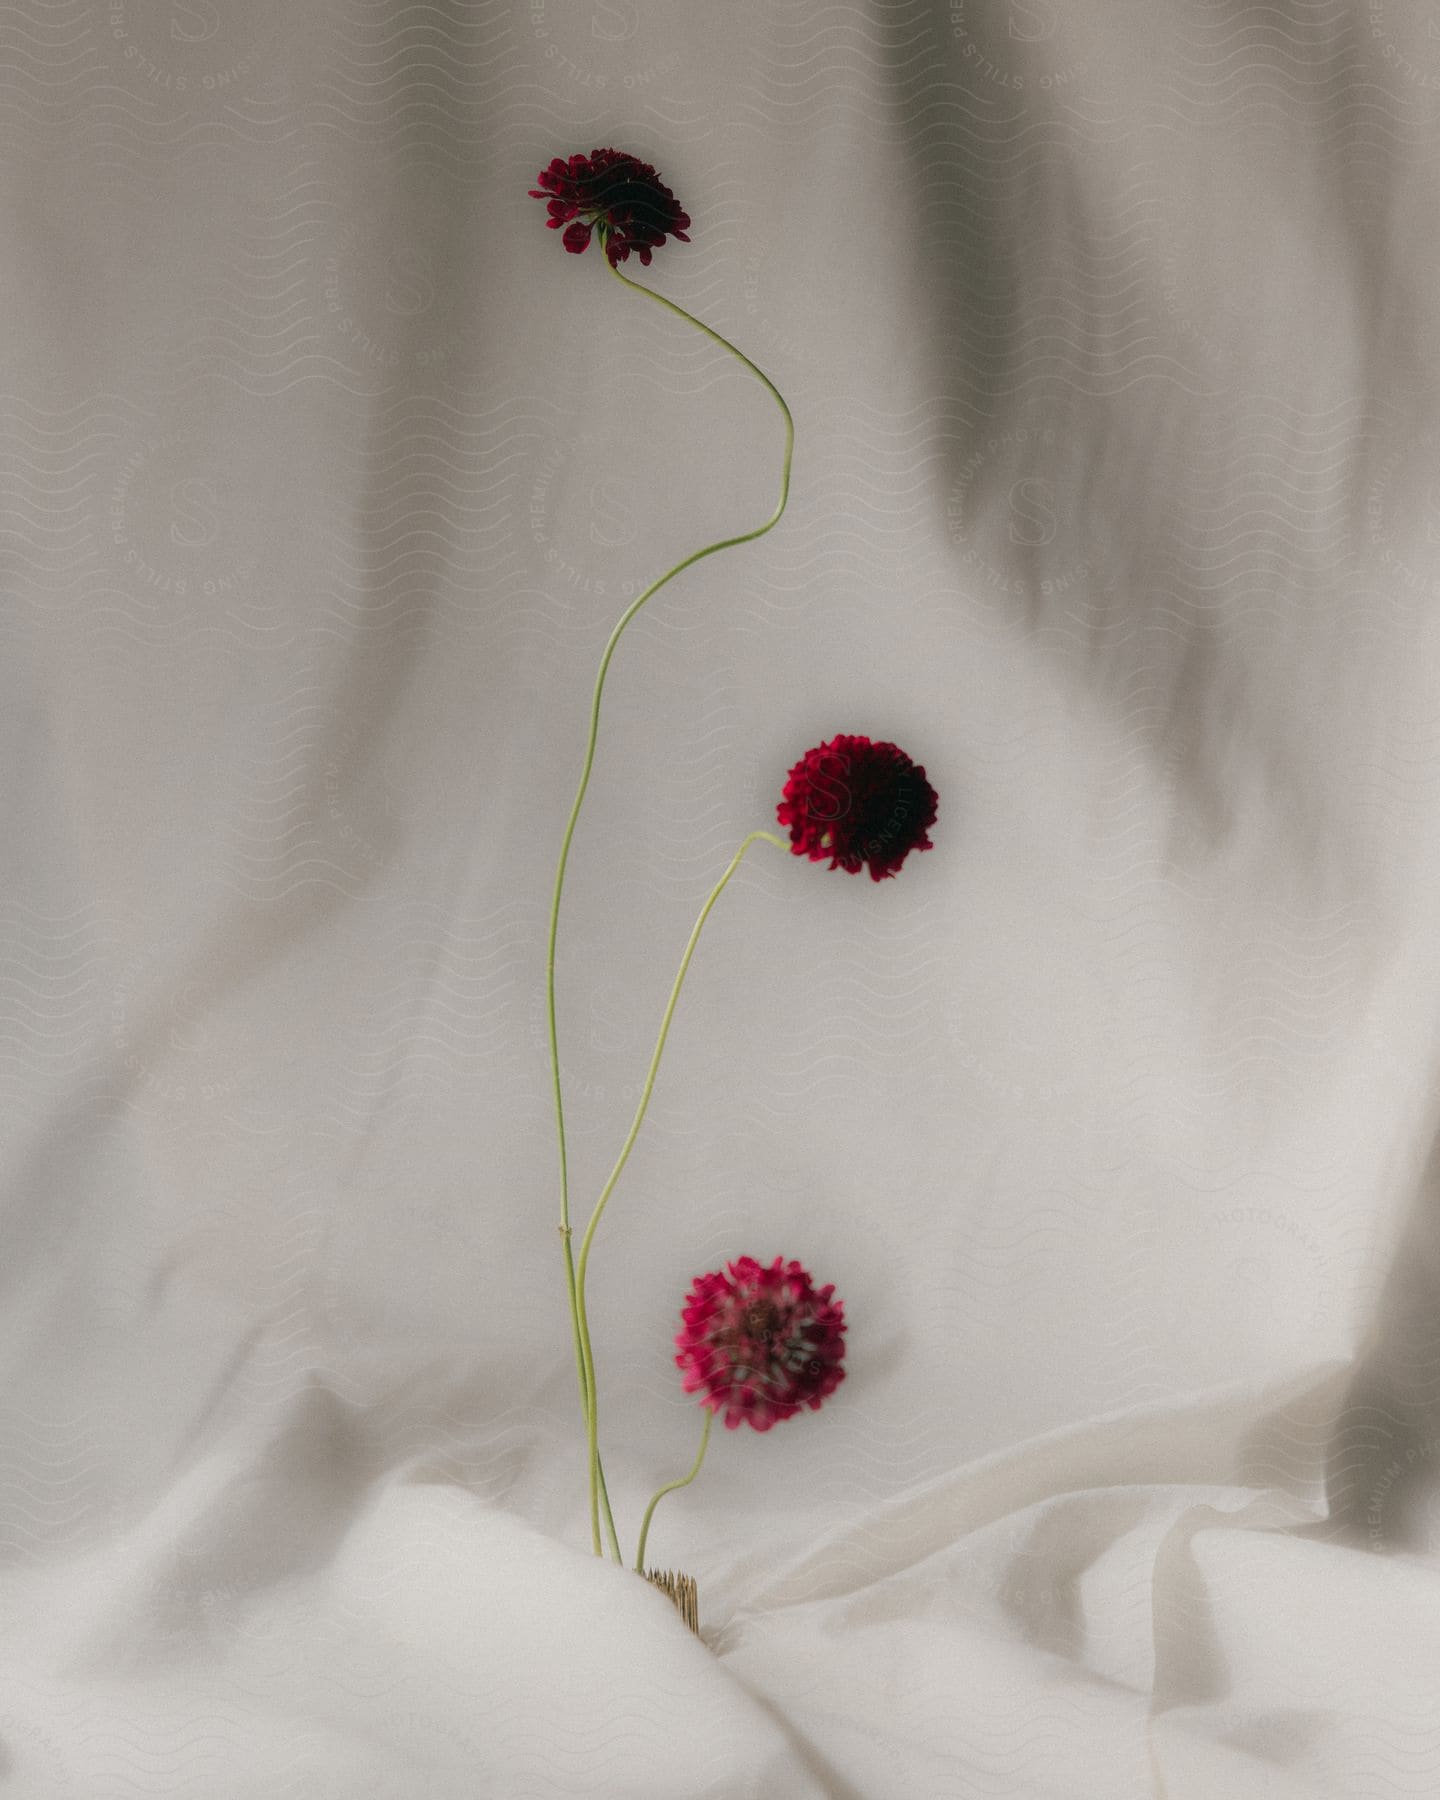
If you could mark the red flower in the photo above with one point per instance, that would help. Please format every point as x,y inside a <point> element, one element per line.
<point>858,802</point>
<point>616,194</point>
<point>759,1343</point>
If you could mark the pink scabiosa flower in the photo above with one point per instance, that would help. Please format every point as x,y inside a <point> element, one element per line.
<point>757,1343</point>
<point>858,803</point>
<point>616,194</point>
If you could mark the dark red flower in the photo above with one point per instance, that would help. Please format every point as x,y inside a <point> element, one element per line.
<point>616,194</point>
<point>761,1343</point>
<point>857,803</point>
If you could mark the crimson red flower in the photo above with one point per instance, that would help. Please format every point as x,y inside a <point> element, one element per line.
<point>857,803</point>
<point>761,1343</point>
<point>616,194</point>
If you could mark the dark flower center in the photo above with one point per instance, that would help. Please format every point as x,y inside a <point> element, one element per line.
<point>629,198</point>
<point>762,1320</point>
<point>890,812</point>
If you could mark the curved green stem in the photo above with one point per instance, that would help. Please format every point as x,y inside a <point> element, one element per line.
<point>684,1481</point>
<point>725,344</point>
<point>586,1377</point>
<point>600,1204</point>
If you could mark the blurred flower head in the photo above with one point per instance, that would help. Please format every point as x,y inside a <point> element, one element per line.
<point>617,195</point>
<point>858,803</point>
<point>758,1343</point>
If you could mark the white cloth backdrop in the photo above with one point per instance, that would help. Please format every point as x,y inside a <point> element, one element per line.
<point>1110,328</point>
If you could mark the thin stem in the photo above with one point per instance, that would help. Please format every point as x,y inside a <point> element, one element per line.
<point>584,1324</point>
<point>725,344</point>
<point>684,1481</point>
<point>615,1550</point>
<point>584,1369</point>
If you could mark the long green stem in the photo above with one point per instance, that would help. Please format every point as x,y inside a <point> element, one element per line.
<point>585,1400</point>
<point>684,1481</point>
<point>600,1204</point>
<point>586,1373</point>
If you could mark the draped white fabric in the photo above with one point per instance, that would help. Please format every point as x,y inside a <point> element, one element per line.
<point>1109,331</point>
